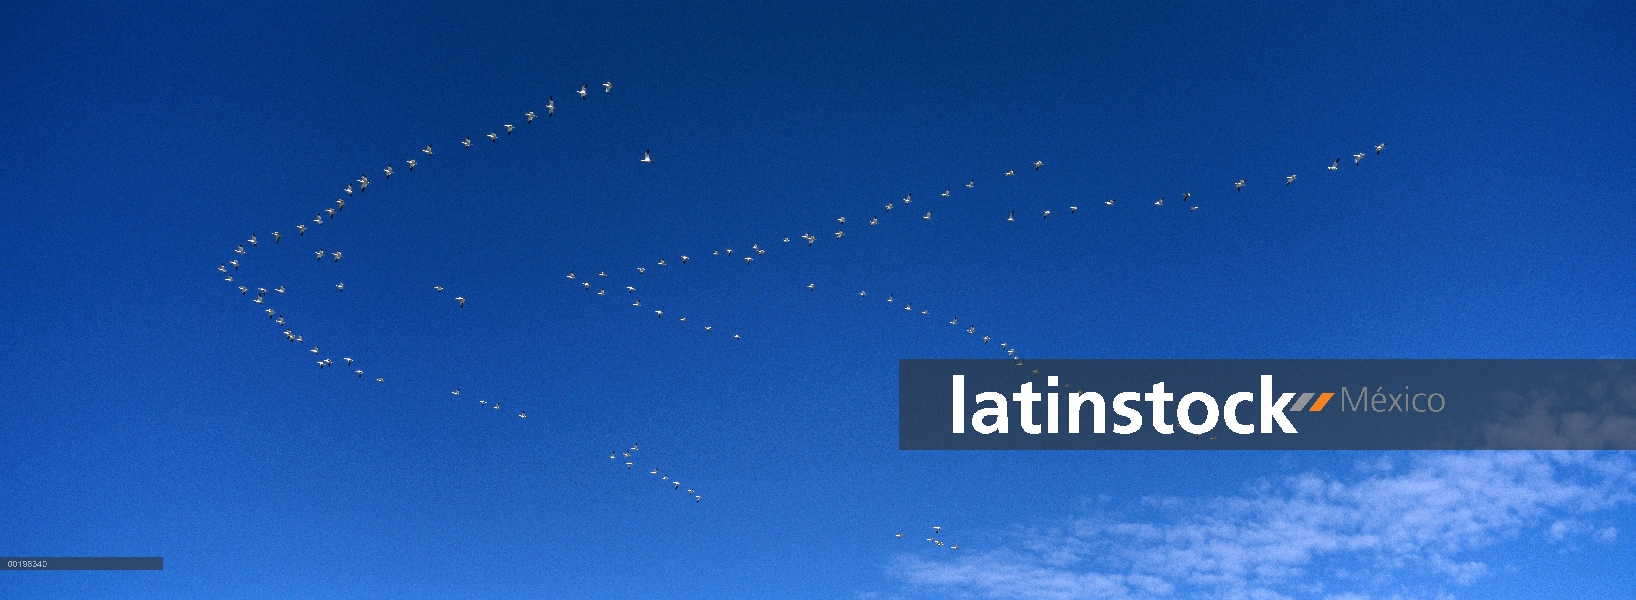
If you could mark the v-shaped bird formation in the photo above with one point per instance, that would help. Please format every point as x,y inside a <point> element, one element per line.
<point>599,285</point>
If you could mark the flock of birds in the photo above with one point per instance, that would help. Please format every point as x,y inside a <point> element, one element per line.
<point>936,530</point>
<point>232,269</point>
<point>675,484</point>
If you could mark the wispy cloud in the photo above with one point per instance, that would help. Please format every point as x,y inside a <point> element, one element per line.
<point>1408,528</point>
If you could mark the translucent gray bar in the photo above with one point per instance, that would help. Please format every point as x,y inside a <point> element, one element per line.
<point>82,563</point>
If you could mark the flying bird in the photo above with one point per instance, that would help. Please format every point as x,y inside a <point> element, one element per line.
<point>437,288</point>
<point>582,92</point>
<point>1047,215</point>
<point>530,116</point>
<point>279,289</point>
<point>427,150</point>
<point>1009,173</point>
<point>1380,147</point>
<point>349,189</point>
<point>252,239</point>
<point>508,129</point>
<point>493,138</point>
<point>1289,180</point>
<point>461,300</point>
<point>240,250</point>
<point>647,157</point>
<point>607,87</point>
<point>276,236</point>
<point>235,264</point>
<point>1038,164</point>
<point>550,106</point>
<point>971,184</point>
<point>340,286</point>
<point>363,183</point>
<point>927,216</point>
<point>1012,216</point>
<point>945,193</point>
<point>1335,166</point>
<point>388,171</point>
<point>1160,202</point>
<point>467,142</point>
<point>1357,158</point>
<point>1109,202</point>
<point>412,165</point>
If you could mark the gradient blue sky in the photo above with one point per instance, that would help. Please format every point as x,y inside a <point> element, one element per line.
<point>149,409</point>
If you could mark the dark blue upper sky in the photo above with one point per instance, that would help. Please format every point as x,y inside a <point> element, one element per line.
<point>150,409</point>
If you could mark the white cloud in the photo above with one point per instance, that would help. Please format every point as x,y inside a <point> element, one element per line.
<point>1408,529</point>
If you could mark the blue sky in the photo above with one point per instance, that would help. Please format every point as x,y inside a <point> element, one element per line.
<point>150,409</point>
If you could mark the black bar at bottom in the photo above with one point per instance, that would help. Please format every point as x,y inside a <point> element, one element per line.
<point>82,563</point>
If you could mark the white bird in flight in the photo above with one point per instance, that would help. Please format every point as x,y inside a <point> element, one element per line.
<point>461,300</point>
<point>1289,180</point>
<point>607,87</point>
<point>1335,166</point>
<point>1380,147</point>
<point>971,184</point>
<point>277,236</point>
<point>508,129</point>
<point>340,286</point>
<point>467,142</point>
<point>411,165</point>
<point>1357,159</point>
<point>427,150</point>
<point>550,106</point>
<point>582,92</point>
<point>493,138</point>
<point>1010,172</point>
<point>388,171</point>
<point>647,157</point>
<point>530,116</point>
